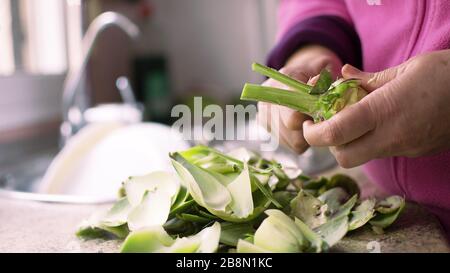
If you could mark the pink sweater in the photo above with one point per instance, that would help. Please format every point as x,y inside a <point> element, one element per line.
<point>374,35</point>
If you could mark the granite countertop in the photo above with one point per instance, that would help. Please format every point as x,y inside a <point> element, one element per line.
<point>27,226</point>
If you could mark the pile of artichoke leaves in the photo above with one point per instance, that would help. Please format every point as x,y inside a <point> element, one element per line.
<point>236,202</point>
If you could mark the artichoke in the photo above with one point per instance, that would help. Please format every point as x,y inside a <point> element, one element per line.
<point>321,101</point>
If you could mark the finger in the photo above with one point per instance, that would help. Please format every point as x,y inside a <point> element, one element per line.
<point>291,129</point>
<point>349,124</point>
<point>292,120</point>
<point>359,151</point>
<point>371,81</point>
<point>298,142</point>
<point>273,83</point>
<point>294,140</point>
<point>334,68</point>
<point>325,62</point>
<point>298,73</point>
<point>263,116</point>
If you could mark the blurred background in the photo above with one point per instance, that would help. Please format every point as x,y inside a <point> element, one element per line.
<point>68,63</point>
<point>185,48</point>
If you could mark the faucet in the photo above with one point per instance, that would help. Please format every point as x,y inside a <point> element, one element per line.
<point>72,113</point>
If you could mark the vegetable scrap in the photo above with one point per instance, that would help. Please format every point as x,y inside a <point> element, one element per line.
<point>236,202</point>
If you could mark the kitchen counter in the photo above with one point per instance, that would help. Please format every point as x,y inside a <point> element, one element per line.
<point>27,226</point>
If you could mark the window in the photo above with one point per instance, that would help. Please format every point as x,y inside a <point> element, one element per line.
<point>44,47</point>
<point>39,40</point>
<point>35,35</point>
<point>6,46</point>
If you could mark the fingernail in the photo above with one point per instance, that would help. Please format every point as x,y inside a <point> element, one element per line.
<point>313,80</point>
<point>307,123</point>
<point>332,150</point>
<point>350,70</point>
<point>371,80</point>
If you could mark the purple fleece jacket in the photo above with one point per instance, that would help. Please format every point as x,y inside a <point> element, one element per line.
<point>375,35</point>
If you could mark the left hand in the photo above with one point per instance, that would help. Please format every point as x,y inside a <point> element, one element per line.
<point>406,114</point>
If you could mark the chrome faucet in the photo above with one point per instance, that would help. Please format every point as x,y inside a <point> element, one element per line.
<point>73,113</point>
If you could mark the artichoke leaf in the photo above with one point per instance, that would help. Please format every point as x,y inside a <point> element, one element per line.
<point>136,186</point>
<point>333,230</point>
<point>362,214</point>
<point>334,198</point>
<point>152,211</point>
<point>156,240</point>
<point>244,246</point>
<point>193,218</point>
<point>274,237</point>
<point>345,182</point>
<point>278,217</point>
<point>107,222</point>
<point>205,189</point>
<point>309,209</point>
<point>337,225</point>
<point>267,192</point>
<point>206,241</point>
<point>389,204</point>
<point>116,215</point>
<point>316,243</point>
<point>346,208</point>
<point>241,194</point>
<point>101,231</point>
<point>233,232</point>
<point>323,83</point>
<point>382,221</point>
<point>148,240</point>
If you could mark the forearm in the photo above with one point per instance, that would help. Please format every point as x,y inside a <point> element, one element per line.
<point>315,22</point>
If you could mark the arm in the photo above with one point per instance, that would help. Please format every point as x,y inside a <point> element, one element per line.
<point>320,22</point>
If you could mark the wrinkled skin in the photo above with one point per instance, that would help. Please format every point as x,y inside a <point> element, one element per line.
<point>406,113</point>
<point>303,65</point>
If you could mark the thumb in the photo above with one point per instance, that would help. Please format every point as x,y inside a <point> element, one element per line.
<point>370,81</point>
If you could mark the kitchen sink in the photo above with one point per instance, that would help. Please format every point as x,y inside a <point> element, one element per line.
<point>90,169</point>
<point>23,162</point>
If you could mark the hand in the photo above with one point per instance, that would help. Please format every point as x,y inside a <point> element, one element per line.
<point>406,114</point>
<point>303,65</point>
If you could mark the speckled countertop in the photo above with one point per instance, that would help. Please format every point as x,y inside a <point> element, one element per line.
<point>27,226</point>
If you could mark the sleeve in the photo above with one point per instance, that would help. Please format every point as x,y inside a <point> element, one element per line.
<point>323,22</point>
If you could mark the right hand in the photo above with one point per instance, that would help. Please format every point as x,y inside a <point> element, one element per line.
<point>303,65</point>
